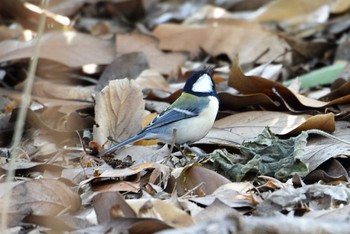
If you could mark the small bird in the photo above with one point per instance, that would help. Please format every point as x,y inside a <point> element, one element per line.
<point>187,120</point>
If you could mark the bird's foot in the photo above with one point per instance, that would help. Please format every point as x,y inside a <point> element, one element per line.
<point>199,155</point>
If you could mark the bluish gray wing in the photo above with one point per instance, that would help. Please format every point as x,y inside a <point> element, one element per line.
<point>191,106</point>
<point>170,116</point>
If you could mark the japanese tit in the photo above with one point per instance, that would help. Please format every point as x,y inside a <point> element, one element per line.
<point>192,115</point>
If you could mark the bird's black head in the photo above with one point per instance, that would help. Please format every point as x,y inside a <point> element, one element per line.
<point>201,83</point>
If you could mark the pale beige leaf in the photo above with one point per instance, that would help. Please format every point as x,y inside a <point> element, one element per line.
<point>159,209</point>
<point>296,11</point>
<point>162,62</point>
<point>340,6</point>
<point>151,79</point>
<point>235,195</point>
<point>49,89</point>
<point>118,111</point>
<point>70,48</point>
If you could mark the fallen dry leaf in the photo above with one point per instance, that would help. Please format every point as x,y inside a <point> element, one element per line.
<point>116,186</point>
<point>315,155</point>
<point>107,204</point>
<point>119,110</point>
<point>199,179</point>
<point>296,12</point>
<point>329,171</point>
<point>237,101</point>
<point>251,123</point>
<point>43,197</point>
<point>50,89</point>
<point>275,90</point>
<point>248,39</point>
<point>234,195</point>
<point>340,6</point>
<point>215,211</point>
<point>151,79</point>
<point>162,62</point>
<point>70,48</point>
<point>29,15</point>
<point>149,42</point>
<point>161,209</point>
<point>7,33</point>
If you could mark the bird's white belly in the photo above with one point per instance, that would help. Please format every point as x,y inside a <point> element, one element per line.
<point>194,129</point>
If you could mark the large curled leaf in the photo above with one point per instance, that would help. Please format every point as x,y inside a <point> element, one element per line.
<point>275,157</point>
<point>266,155</point>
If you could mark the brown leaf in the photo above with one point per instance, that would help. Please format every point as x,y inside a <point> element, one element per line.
<point>249,124</point>
<point>193,176</point>
<point>248,39</point>
<point>119,186</point>
<point>340,6</point>
<point>119,110</point>
<point>306,48</point>
<point>341,91</point>
<point>297,12</point>
<point>217,210</point>
<point>162,210</point>
<point>70,48</point>
<point>164,63</point>
<point>234,101</point>
<point>122,173</point>
<point>151,79</point>
<point>274,90</point>
<point>44,197</point>
<point>111,205</point>
<point>50,89</point>
<point>315,155</point>
<point>7,33</point>
<point>235,195</point>
<point>61,223</point>
<point>29,15</point>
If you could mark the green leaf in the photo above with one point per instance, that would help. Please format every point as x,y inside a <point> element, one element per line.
<point>266,155</point>
<point>325,75</point>
<point>275,157</point>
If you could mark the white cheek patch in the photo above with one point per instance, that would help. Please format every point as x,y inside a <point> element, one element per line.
<point>203,84</point>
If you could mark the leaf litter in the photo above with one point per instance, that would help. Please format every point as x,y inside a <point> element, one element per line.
<point>107,72</point>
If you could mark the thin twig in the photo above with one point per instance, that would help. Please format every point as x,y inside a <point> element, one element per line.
<point>193,189</point>
<point>26,98</point>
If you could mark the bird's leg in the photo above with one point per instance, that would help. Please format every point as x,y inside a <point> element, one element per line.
<point>171,146</point>
<point>199,155</point>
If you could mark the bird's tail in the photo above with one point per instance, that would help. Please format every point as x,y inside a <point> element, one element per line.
<point>127,141</point>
